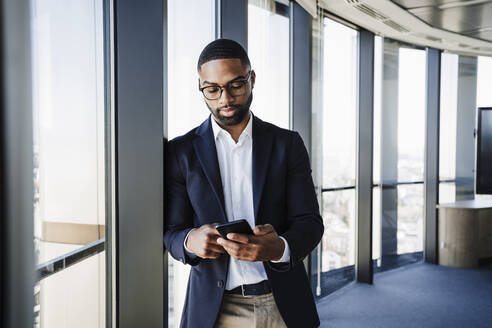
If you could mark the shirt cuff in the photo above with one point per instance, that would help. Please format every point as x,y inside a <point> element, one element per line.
<point>286,256</point>
<point>188,252</point>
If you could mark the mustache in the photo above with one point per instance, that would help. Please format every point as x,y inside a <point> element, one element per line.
<point>228,106</point>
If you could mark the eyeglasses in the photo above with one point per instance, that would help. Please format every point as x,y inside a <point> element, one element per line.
<point>235,88</point>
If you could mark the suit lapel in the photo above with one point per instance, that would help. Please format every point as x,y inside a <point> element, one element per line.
<point>206,152</point>
<point>262,146</point>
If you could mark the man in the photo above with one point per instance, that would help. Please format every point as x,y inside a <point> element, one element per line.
<point>235,166</point>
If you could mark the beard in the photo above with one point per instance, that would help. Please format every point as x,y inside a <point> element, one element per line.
<point>241,113</point>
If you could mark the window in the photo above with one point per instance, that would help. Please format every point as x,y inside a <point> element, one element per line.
<point>399,143</point>
<point>484,97</point>
<point>69,159</point>
<point>187,20</point>
<point>338,133</point>
<point>447,128</point>
<point>268,50</point>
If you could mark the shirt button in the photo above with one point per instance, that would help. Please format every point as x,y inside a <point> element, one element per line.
<point>220,283</point>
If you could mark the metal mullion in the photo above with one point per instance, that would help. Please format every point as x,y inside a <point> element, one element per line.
<point>300,84</point>
<point>431,161</point>
<point>364,179</point>
<point>16,168</point>
<point>139,158</point>
<point>110,300</point>
<point>231,20</point>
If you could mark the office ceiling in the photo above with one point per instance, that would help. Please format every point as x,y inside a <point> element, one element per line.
<point>472,18</point>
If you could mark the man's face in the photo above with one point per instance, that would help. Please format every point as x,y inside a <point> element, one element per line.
<point>228,109</point>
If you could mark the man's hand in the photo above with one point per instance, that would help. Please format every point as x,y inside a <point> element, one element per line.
<point>203,242</point>
<point>264,245</point>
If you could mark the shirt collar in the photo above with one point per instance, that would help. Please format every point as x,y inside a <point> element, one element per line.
<point>217,129</point>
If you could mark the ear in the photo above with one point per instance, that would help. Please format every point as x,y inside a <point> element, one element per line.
<point>253,79</point>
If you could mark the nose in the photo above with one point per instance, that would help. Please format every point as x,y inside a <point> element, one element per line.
<point>225,97</point>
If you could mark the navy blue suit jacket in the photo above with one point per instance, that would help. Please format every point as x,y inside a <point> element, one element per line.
<point>283,195</point>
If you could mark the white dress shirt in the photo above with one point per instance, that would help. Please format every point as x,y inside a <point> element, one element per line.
<point>235,163</point>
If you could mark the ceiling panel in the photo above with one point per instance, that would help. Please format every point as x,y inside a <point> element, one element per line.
<point>471,18</point>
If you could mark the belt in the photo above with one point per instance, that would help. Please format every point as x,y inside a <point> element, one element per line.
<point>261,288</point>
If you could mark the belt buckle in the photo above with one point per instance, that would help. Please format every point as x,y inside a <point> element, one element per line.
<point>242,292</point>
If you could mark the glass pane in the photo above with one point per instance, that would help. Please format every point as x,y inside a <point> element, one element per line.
<point>338,131</point>
<point>411,115</point>
<point>376,223</point>
<point>187,20</point>
<point>399,116</point>
<point>484,96</point>
<point>448,115</point>
<point>338,243</point>
<point>410,232</point>
<point>378,79</point>
<point>268,49</point>
<point>73,297</point>
<point>339,105</point>
<point>69,157</point>
<point>447,192</point>
<point>484,82</point>
<point>447,127</point>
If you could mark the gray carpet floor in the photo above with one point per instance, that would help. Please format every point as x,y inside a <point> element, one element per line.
<point>417,295</point>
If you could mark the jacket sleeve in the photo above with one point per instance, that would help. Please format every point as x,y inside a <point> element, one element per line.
<point>178,218</point>
<point>305,225</point>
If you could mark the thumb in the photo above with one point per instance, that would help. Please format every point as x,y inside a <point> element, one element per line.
<point>263,229</point>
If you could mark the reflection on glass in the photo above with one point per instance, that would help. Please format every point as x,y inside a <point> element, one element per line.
<point>268,51</point>
<point>187,20</point>
<point>69,172</point>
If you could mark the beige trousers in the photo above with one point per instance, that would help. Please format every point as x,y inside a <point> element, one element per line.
<point>238,311</point>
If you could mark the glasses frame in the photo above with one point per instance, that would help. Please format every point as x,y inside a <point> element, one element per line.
<point>245,80</point>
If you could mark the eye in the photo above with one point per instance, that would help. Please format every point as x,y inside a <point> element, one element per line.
<point>212,89</point>
<point>237,84</point>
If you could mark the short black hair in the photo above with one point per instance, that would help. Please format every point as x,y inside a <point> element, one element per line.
<point>223,49</point>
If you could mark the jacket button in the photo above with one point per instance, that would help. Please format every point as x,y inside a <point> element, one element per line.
<point>220,283</point>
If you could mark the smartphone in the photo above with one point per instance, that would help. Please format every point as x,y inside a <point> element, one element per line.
<point>238,226</point>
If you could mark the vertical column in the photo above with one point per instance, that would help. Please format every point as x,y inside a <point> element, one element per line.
<point>431,175</point>
<point>109,161</point>
<point>389,151</point>
<point>300,86</point>
<point>317,139</point>
<point>300,72</point>
<point>232,20</point>
<point>16,167</point>
<point>465,125</point>
<point>365,117</point>
<point>139,49</point>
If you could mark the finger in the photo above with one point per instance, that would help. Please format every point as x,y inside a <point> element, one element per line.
<point>239,237</point>
<point>210,255</point>
<point>213,229</point>
<point>263,229</point>
<point>215,248</point>
<point>227,243</point>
